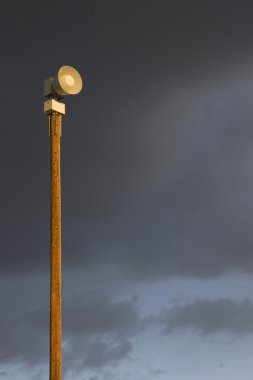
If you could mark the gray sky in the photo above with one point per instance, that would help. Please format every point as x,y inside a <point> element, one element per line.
<point>157,181</point>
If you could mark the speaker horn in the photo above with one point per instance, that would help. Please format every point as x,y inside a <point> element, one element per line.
<point>67,81</point>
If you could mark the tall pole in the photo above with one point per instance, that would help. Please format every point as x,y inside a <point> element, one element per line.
<point>55,248</point>
<point>67,82</point>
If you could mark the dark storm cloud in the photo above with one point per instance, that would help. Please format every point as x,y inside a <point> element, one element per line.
<point>22,343</point>
<point>209,317</point>
<point>96,329</point>
<point>184,204</point>
<point>134,181</point>
<point>93,313</point>
<point>156,165</point>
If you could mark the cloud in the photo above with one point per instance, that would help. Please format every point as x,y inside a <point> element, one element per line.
<point>208,317</point>
<point>156,164</point>
<point>92,312</point>
<point>97,330</point>
<point>23,343</point>
<point>162,176</point>
<point>94,352</point>
<point>101,353</point>
<point>178,205</point>
<point>182,206</point>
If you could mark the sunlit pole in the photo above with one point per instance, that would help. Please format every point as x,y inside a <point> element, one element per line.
<point>55,247</point>
<point>66,82</point>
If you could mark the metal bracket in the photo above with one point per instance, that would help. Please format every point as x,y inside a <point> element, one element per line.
<point>52,106</point>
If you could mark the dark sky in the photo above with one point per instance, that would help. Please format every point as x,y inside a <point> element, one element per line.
<point>157,183</point>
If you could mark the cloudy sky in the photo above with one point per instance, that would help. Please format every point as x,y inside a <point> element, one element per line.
<point>157,187</point>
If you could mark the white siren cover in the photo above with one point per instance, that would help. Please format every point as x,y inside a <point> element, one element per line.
<point>68,81</point>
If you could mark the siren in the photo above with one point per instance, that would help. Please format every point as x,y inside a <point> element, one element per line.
<point>67,81</point>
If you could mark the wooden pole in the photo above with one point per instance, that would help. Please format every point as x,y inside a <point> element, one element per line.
<point>55,244</point>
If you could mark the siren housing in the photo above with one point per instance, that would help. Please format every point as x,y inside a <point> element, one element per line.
<point>67,81</point>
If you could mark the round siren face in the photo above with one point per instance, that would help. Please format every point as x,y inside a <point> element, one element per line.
<point>69,81</point>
